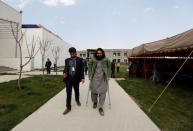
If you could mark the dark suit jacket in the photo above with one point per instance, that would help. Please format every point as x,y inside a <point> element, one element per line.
<point>79,74</point>
<point>48,64</point>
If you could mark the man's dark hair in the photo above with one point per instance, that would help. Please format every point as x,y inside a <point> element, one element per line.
<point>99,49</point>
<point>72,50</point>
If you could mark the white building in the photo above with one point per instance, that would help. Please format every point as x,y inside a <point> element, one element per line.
<point>40,33</point>
<point>118,55</point>
<point>9,53</point>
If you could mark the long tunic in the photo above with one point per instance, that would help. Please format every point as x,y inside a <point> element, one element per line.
<point>98,83</point>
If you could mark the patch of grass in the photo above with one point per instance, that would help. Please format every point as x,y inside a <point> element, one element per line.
<point>7,108</point>
<point>173,111</point>
<point>5,73</point>
<point>16,105</point>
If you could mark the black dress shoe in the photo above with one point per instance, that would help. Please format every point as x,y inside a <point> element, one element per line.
<point>66,111</point>
<point>95,105</point>
<point>101,112</point>
<point>78,103</point>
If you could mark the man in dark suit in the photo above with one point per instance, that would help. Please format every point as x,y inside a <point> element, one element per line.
<point>73,75</point>
<point>48,65</point>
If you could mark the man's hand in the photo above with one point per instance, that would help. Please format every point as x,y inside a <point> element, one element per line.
<point>89,78</point>
<point>65,75</point>
<point>82,81</point>
<point>108,79</point>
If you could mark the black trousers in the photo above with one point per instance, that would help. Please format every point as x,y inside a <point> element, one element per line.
<point>112,73</point>
<point>117,69</point>
<point>48,70</point>
<point>69,84</point>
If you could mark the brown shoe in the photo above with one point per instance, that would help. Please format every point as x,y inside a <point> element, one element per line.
<point>95,105</point>
<point>101,112</point>
<point>66,111</point>
<point>78,103</point>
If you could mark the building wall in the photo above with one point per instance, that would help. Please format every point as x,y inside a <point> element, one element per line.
<point>82,54</point>
<point>32,34</point>
<point>117,55</point>
<point>44,35</point>
<point>112,54</point>
<point>8,43</point>
<point>14,63</point>
<point>9,13</point>
<point>64,46</point>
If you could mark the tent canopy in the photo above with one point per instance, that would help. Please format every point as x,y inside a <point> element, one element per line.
<point>178,42</point>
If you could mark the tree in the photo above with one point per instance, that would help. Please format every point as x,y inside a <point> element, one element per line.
<point>55,53</point>
<point>32,51</point>
<point>44,46</point>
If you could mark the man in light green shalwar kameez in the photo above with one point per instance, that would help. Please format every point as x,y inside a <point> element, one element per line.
<point>99,72</point>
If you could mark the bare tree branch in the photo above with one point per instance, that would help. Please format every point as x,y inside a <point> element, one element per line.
<point>44,46</point>
<point>55,53</point>
<point>31,51</point>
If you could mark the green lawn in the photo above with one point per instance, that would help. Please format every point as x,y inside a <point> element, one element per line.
<point>16,105</point>
<point>174,110</point>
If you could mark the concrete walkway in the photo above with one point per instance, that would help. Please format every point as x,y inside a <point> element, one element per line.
<point>6,78</point>
<point>124,114</point>
<point>40,73</point>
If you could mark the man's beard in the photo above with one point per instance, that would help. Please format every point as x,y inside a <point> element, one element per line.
<point>99,57</point>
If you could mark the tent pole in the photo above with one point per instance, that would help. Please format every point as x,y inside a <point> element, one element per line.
<point>150,108</point>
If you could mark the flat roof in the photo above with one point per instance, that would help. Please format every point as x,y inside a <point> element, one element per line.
<point>30,26</point>
<point>40,26</point>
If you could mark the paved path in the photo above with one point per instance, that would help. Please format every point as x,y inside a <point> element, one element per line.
<point>6,78</point>
<point>40,73</point>
<point>124,115</point>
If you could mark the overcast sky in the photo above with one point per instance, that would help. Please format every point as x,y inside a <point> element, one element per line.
<point>108,24</point>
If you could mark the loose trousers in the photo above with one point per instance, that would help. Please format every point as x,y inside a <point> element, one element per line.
<point>101,101</point>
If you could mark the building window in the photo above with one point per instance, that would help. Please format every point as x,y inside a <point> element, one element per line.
<point>125,54</point>
<point>84,55</point>
<point>114,54</point>
<point>114,60</point>
<point>118,54</point>
<point>118,60</point>
<point>80,55</point>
